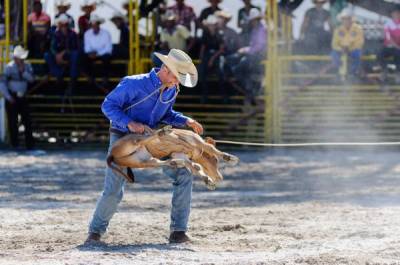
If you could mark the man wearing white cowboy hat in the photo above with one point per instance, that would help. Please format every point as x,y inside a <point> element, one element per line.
<point>212,47</point>
<point>64,48</point>
<point>87,6</point>
<point>97,47</point>
<point>141,101</point>
<point>316,29</point>
<point>63,6</point>
<point>348,38</point>
<point>121,50</point>
<point>248,58</point>
<point>14,86</point>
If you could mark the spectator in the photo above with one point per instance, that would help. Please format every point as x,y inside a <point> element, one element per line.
<point>38,29</point>
<point>348,39</point>
<point>121,50</point>
<point>248,59</point>
<point>17,75</point>
<point>231,38</point>
<point>209,10</point>
<point>125,5</point>
<point>243,19</point>
<point>174,36</point>
<point>314,35</point>
<point>391,45</point>
<point>97,47</point>
<point>231,44</point>
<point>87,7</point>
<point>63,6</point>
<point>212,47</point>
<point>64,48</point>
<point>184,14</point>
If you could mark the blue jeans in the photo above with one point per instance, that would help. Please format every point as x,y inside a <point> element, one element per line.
<point>114,190</point>
<point>57,70</point>
<point>355,56</point>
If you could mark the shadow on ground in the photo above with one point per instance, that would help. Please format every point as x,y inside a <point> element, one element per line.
<point>367,177</point>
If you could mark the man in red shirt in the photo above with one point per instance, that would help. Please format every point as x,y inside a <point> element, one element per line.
<point>87,7</point>
<point>391,43</point>
<point>38,28</point>
<point>184,14</point>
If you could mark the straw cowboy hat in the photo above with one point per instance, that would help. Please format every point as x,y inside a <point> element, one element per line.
<point>88,3</point>
<point>346,13</point>
<point>181,66</point>
<point>210,20</point>
<point>223,14</point>
<point>65,3</point>
<point>118,15</point>
<point>20,52</point>
<point>169,15</point>
<point>62,19</point>
<point>320,1</point>
<point>96,19</point>
<point>255,14</point>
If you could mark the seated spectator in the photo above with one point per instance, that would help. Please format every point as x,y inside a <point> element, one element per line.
<point>212,47</point>
<point>248,59</point>
<point>348,39</point>
<point>214,6</point>
<point>62,7</point>
<point>38,29</point>
<point>172,36</point>
<point>315,36</point>
<point>231,45</point>
<point>97,47</point>
<point>391,45</point>
<point>14,86</point>
<point>121,50</point>
<point>231,37</point>
<point>243,20</point>
<point>184,14</point>
<point>64,50</point>
<point>87,7</point>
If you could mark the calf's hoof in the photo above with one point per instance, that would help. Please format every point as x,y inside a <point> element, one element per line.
<point>231,159</point>
<point>209,183</point>
<point>165,130</point>
<point>177,163</point>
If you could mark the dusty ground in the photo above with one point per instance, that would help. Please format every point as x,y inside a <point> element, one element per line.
<point>275,207</point>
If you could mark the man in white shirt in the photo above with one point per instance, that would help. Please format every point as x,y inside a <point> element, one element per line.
<point>97,47</point>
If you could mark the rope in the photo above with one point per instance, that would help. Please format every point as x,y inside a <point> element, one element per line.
<point>309,144</point>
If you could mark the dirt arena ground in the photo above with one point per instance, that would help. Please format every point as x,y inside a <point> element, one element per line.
<point>298,206</point>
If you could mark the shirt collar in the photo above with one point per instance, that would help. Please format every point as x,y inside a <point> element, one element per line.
<point>154,78</point>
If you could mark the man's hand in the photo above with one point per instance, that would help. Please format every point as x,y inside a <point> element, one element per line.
<point>136,127</point>
<point>60,57</point>
<point>92,55</point>
<point>197,128</point>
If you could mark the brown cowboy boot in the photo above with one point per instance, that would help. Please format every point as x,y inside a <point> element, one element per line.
<point>92,238</point>
<point>178,237</point>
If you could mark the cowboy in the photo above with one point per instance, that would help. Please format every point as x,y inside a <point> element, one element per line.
<point>97,47</point>
<point>314,33</point>
<point>87,7</point>
<point>184,14</point>
<point>348,39</point>
<point>38,29</point>
<point>14,86</point>
<point>248,59</point>
<point>243,19</point>
<point>139,102</point>
<point>121,50</point>
<point>63,6</point>
<point>212,47</point>
<point>64,49</point>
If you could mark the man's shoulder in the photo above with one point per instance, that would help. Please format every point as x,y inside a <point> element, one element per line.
<point>137,77</point>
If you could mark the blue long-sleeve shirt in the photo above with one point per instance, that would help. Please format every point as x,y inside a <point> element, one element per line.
<point>151,112</point>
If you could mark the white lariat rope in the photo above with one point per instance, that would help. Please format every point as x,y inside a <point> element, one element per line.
<point>309,144</point>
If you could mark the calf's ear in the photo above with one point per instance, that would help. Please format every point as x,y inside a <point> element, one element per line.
<point>210,140</point>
